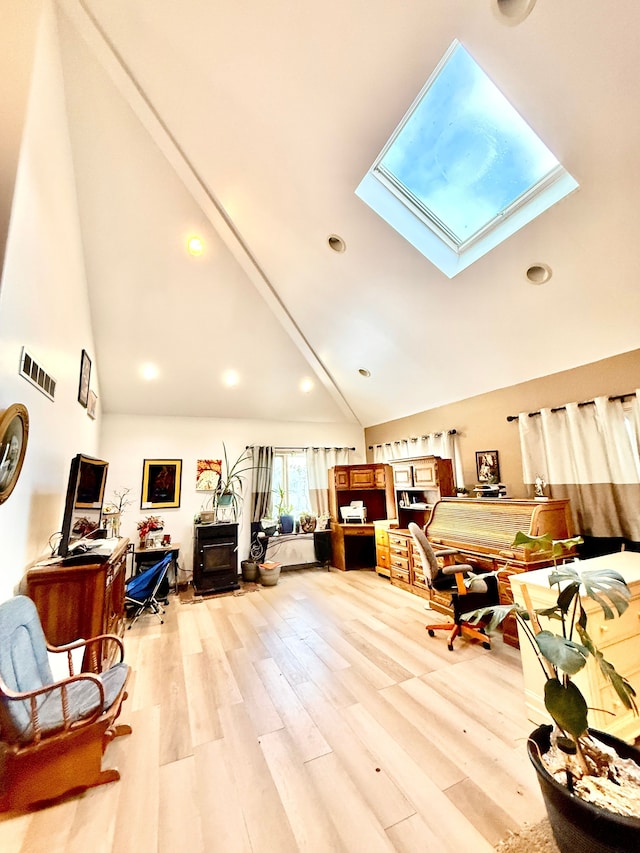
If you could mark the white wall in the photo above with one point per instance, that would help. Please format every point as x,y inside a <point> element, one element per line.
<point>43,306</point>
<point>126,441</point>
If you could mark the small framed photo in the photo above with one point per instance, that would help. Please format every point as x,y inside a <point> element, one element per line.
<point>161,479</point>
<point>487,466</point>
<point>92,404</point>
<point>85,378</point>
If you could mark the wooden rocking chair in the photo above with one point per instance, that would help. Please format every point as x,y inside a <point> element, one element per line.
<point>53,733</point>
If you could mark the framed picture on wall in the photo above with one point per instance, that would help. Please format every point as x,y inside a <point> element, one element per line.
<point>92,403</point>
<point>85,378</point>
<point>161,479</point>
<point>487,466</point>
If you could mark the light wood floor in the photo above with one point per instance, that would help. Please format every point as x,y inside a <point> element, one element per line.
<point>316,715</point>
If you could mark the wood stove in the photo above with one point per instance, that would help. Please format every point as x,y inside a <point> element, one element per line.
<point>215,558</point>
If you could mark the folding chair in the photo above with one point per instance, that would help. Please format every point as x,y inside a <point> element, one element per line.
<point>141,591</point>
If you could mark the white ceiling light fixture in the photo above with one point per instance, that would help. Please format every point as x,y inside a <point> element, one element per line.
<point>231,378</point>
<point>512,12</point>
<point>195,245</point>
<point>149,371</point>
<point>306,385</point>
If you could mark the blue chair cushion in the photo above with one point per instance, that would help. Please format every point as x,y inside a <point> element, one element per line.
<point>24,666</point>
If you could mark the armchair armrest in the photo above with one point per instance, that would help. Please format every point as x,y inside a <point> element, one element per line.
<point>81,643</point>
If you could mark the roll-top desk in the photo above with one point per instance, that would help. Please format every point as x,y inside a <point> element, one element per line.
<point>482,530</point>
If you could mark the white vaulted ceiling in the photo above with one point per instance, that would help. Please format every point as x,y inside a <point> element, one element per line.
<point>252,123</point>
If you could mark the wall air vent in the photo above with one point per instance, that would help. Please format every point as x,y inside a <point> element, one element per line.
<point>32,372</point>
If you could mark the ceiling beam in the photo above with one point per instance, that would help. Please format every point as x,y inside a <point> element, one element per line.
<point>89,29</point>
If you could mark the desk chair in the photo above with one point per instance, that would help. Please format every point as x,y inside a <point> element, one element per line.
<point>468,592</point>
<point>53,733</point>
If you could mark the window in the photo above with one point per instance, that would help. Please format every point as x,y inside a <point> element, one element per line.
<point>463,170</point>
<point>289,482</point>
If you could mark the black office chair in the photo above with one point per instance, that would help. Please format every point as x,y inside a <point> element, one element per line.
<point>468,591</point>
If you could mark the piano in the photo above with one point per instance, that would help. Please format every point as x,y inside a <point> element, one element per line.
<point>483,530</point>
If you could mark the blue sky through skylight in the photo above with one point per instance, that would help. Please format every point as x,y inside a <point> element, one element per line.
<point>464,164</point>
<point>465,152</point>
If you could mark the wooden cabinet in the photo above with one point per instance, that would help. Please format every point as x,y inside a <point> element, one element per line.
<point>418,484</point>
<point>80,601</point>
<point>383,561</point>
<point>618,640</point>
<point>353,544</point>
<point>215,558</point>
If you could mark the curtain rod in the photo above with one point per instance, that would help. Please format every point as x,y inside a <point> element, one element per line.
<point>511,418</point>
<point>422,437</point>
<point>251,446</point>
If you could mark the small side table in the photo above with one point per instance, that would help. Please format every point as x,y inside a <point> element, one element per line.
<point>145,557</point>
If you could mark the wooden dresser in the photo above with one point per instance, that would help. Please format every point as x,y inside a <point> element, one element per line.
<point>79,601</point>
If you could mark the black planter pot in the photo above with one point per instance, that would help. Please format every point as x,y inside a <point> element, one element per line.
<point>578,826</point>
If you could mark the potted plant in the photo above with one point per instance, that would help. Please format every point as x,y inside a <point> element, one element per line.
<point>269,573</point>
<point>307,522</point>
<point>226,500</point>
<point>283,512</point>
<point>583,775</point>
<point>147,528</point>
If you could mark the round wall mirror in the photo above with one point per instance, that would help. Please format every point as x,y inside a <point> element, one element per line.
<point>14,431</point>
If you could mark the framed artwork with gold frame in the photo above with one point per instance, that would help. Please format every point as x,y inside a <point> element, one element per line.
<point>161,479</point>
<point>14,432</point>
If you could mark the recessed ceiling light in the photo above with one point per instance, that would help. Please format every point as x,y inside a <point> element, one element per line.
<point>364,372</point>
<point>513,11</point>
<point>230,378</point>
<point>306,385</point>
<point>538,274</point>
<point>149,371</point>
<point>336,243</point>
<point>195,246</point>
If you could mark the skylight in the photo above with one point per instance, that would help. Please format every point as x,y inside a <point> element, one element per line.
<point>463,170</point>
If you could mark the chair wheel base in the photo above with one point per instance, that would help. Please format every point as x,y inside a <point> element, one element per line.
<point>430,632</point>
<point>450,646</point>
<point>486,645</point>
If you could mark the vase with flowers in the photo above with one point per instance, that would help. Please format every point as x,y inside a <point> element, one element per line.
<point>148,529</point>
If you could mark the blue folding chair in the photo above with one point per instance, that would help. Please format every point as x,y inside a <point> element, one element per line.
<point>141,591</point>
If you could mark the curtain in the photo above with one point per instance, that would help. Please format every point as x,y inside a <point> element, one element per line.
<point>319,460</point>
<point>262,461</point>
<point>588,453</point>
<point>443,444</point>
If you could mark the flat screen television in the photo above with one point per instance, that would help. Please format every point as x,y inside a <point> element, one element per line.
<point>83,505</point>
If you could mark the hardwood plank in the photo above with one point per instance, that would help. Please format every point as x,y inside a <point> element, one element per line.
<point>354,821</point>
<point>202,706</point>
<point>300,727</point>
<point>438,812</point>
<point>311,823</point>
<point>263,812</point>
<point>219,797</point>
<point>384,798</point>
<point>257,702</point>
<point>179,825</point>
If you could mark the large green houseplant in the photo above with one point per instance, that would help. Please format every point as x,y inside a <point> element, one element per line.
<point>575,759</point>
<point>227,497</point>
